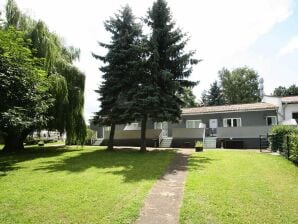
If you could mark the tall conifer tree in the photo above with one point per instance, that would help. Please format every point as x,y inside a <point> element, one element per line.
<point>121,62</point>
<point>169,66</point>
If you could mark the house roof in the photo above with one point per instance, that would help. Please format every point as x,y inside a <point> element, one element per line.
<point>290,99</point>
<point>229,108</point>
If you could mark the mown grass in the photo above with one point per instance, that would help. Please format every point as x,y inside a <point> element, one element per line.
<point>240,187</point>
<point>75,185</point>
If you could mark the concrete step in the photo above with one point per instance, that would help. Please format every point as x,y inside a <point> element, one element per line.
<point>166,143</point>
<point>98,142</point>
<point>210,142</point>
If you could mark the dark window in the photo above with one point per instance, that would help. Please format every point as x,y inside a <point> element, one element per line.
<point>271,120</point>
<point>295,116</point>
<point>229,122</point>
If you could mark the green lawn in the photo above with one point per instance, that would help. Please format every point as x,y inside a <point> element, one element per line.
<point>59,185</point>
<point>240,187</point>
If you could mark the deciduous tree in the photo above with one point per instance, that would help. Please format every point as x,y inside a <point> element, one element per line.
<point>241,85</point>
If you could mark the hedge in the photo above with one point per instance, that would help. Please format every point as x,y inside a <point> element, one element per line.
<point>284,138</point>
<point>293,144</point>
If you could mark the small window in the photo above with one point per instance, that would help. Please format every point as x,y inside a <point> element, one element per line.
<point>295,116</point>
<point>193,123</point>
<point>231,122</point>
<point>271,120</point>
<point>132,126</point>
<point>158,125</point>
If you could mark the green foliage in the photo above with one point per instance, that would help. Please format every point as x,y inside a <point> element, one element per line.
<point>283,91</point>
<point>293,144</point>
<point>240,85</point>
<point>214,96</point>
<point>24,88</point>
<point>121,64</point>
<point>279,134</point>
<point>66,82</point>
<point>90,135</point>
<point>188,98</point>
<point>169,65</point>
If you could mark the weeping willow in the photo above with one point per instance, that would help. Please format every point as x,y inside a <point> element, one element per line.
<point>66,81</point>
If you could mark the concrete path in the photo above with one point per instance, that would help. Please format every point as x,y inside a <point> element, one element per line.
<point>164,200</point>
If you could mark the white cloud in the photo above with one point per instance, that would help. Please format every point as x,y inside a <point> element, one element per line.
<point>219,30</point>
<point>291,47</point>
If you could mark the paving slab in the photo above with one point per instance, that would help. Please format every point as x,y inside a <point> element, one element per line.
<point>163,202</point>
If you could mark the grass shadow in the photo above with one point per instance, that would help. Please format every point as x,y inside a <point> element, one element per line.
<point>8,161</point>
<point>198,162</point>
<point>129,163</point>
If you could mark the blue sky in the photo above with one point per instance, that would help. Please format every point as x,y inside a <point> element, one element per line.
<point>261,34</point>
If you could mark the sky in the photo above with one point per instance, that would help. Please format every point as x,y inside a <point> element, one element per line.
<point>260,34</point>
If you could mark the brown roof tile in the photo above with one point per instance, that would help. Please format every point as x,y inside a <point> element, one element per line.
<point>229,108</point>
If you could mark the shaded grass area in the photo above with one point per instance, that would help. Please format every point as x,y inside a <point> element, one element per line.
<point>240,187</point>
<point>71,185</point>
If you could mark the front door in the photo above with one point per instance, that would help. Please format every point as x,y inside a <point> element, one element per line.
<point>163,126</point>
<point>213,123</point>
<point>212,127</point>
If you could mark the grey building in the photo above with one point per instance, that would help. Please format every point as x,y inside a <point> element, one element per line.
<point>227,126</point>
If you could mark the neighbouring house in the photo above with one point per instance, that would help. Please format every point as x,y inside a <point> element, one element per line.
<point>287,108</point>
<point>227,126</point>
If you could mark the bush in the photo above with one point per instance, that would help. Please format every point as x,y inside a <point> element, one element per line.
<point>199,144</point>
<point>278,139</point>
<point>293,144</point>
<point>90,135</point>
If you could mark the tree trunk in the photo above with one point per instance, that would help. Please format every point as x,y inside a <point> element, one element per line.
<point>13,143</point>
<point>143,134</point>
<point>111,138</point>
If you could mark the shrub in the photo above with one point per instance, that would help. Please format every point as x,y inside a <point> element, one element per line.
<point>199,144</point>
<point>279,133</point>
<point>293,144</point>
<point>90,135</point>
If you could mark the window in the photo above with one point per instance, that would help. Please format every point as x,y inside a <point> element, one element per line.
<point>158,125</point>
<point>132,126</point>
<point>193,123</point>
<point>231,122</point>
<point>295,116</point>
<point>271,120</point>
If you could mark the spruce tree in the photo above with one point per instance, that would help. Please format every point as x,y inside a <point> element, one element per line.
<point>168,66</point>
<point>214,96</point>
<point>121,62</point>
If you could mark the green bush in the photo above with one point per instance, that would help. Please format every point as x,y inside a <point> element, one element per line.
<point>279,133</point>
<point>90,135</point>
<point>199,144</point>
<point>293,143</point>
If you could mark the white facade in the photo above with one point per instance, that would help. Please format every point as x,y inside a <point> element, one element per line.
<point>287,107</point>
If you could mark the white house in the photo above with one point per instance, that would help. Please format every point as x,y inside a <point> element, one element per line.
<point>287,108</point>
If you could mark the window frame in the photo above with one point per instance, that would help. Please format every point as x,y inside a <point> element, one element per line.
<point>275,117</point>
<point>225,122</point>
<point>193,122</point>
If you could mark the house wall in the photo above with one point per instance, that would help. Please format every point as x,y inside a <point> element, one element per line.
<point>253,118</point>
<point>243,132</point>
<point>277,102</point>
<point>289,109</point>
